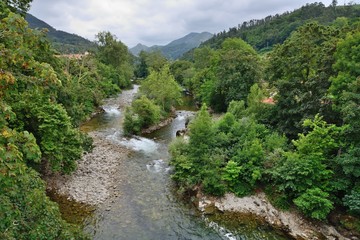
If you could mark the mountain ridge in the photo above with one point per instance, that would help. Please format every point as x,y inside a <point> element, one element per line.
<point>176,48</point>
<point>62,41</point>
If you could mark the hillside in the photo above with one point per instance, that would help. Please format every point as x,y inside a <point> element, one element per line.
<point>264,33</point>
<point>176,48</point>
<point>62,41</point>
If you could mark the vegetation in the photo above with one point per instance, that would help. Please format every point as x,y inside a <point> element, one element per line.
<point>263,34</point>
<point>159,93</point>
<point>62,42</point>
<point>43,99</point>
<point>219,76</point>
<point>302,146</point>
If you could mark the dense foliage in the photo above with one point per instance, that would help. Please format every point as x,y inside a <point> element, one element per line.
<point>43,99</point>
<point>263,34</point>
<point>301,145</point>
<point>219,76</point>
<point>159,93</point>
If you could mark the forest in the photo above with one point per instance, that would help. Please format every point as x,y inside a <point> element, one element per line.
<point>289,116</point>
<point>290,122</point>
<point>43,100</point>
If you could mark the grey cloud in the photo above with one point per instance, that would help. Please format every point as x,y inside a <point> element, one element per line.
<point>157,21</point>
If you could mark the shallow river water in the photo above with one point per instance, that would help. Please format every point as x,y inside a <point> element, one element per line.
<point>146,206</point>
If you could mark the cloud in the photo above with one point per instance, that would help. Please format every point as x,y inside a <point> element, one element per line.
<point>156,21</point>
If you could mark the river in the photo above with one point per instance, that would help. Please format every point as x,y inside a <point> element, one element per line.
<point>146,205</point>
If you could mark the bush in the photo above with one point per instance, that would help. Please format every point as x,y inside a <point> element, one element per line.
<point>352,200</point>
<point>142,114</point>
<point>314,203</point>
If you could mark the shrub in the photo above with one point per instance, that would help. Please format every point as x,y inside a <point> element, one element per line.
<point>142,114</point>
<point>314,203</point>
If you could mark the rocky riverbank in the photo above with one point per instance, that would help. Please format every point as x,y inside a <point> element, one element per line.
<point>93,182</point>
<point>290,222</point>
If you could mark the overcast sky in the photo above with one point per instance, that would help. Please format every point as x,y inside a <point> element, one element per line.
<point>153,22</point>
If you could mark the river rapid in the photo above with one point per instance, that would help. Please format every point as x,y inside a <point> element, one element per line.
<point>142,202</point>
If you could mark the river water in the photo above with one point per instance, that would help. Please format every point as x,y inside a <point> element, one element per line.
<point>146,206</point>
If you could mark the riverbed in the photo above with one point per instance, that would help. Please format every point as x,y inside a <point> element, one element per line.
<point>136,198</point>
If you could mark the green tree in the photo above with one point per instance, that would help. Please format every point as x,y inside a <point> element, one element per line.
<point>182,71</point>
<point>345,86</point>
<point>141,69</point>
<point>300,70</point>
<point>194,162</point>
<point>203,57</point>
<point>147,61</point>
<point>142,114</point>
<point>256,108</point>
<point>310,167</point>
<point>201,133</point>
<point>18,5</point>
<point>236,69</point>
<point>352,200</point>
<point>116,54</point>
<point>161,87</point>
<point>25,210</point>
<point>314,203</point>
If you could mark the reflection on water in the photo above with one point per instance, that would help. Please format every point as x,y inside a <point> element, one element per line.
<point>147,206</point>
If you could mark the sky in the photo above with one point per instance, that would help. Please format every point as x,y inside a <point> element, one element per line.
<point>156,22</point>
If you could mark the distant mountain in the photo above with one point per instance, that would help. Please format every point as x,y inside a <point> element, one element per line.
<point>62,41</point>
<point>138,48</point>
<point>176,48</point>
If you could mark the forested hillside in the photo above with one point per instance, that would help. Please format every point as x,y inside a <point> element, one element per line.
<point>43,99</point>
<point>63,42</point>
<point>263,34</point>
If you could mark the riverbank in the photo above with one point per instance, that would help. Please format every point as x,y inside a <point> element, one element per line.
<point>93,182</point>
<point>290,222</point>
<point>158,126</point>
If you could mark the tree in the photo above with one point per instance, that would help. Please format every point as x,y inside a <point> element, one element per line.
<point>334,3</point>
<point>182,71</point>
<point>25,210</point>
<point>114,53</point>
<point>256,108</point>
<point>314,203</point>
<point>345,86</point>
<point>300,70</point>
<point>306,175</point>
<point>195,162</point>
<point>142,114</point>
<point>161,87</point>
<point>236,70</point>
<point>203,57</point>
<point>201,133</point>
<point>141,70</point>
<point>18,5</point>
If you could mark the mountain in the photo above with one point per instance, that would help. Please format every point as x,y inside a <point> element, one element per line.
<point>138,48</point>
<point>62,41</point>
<point>176,48</point>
